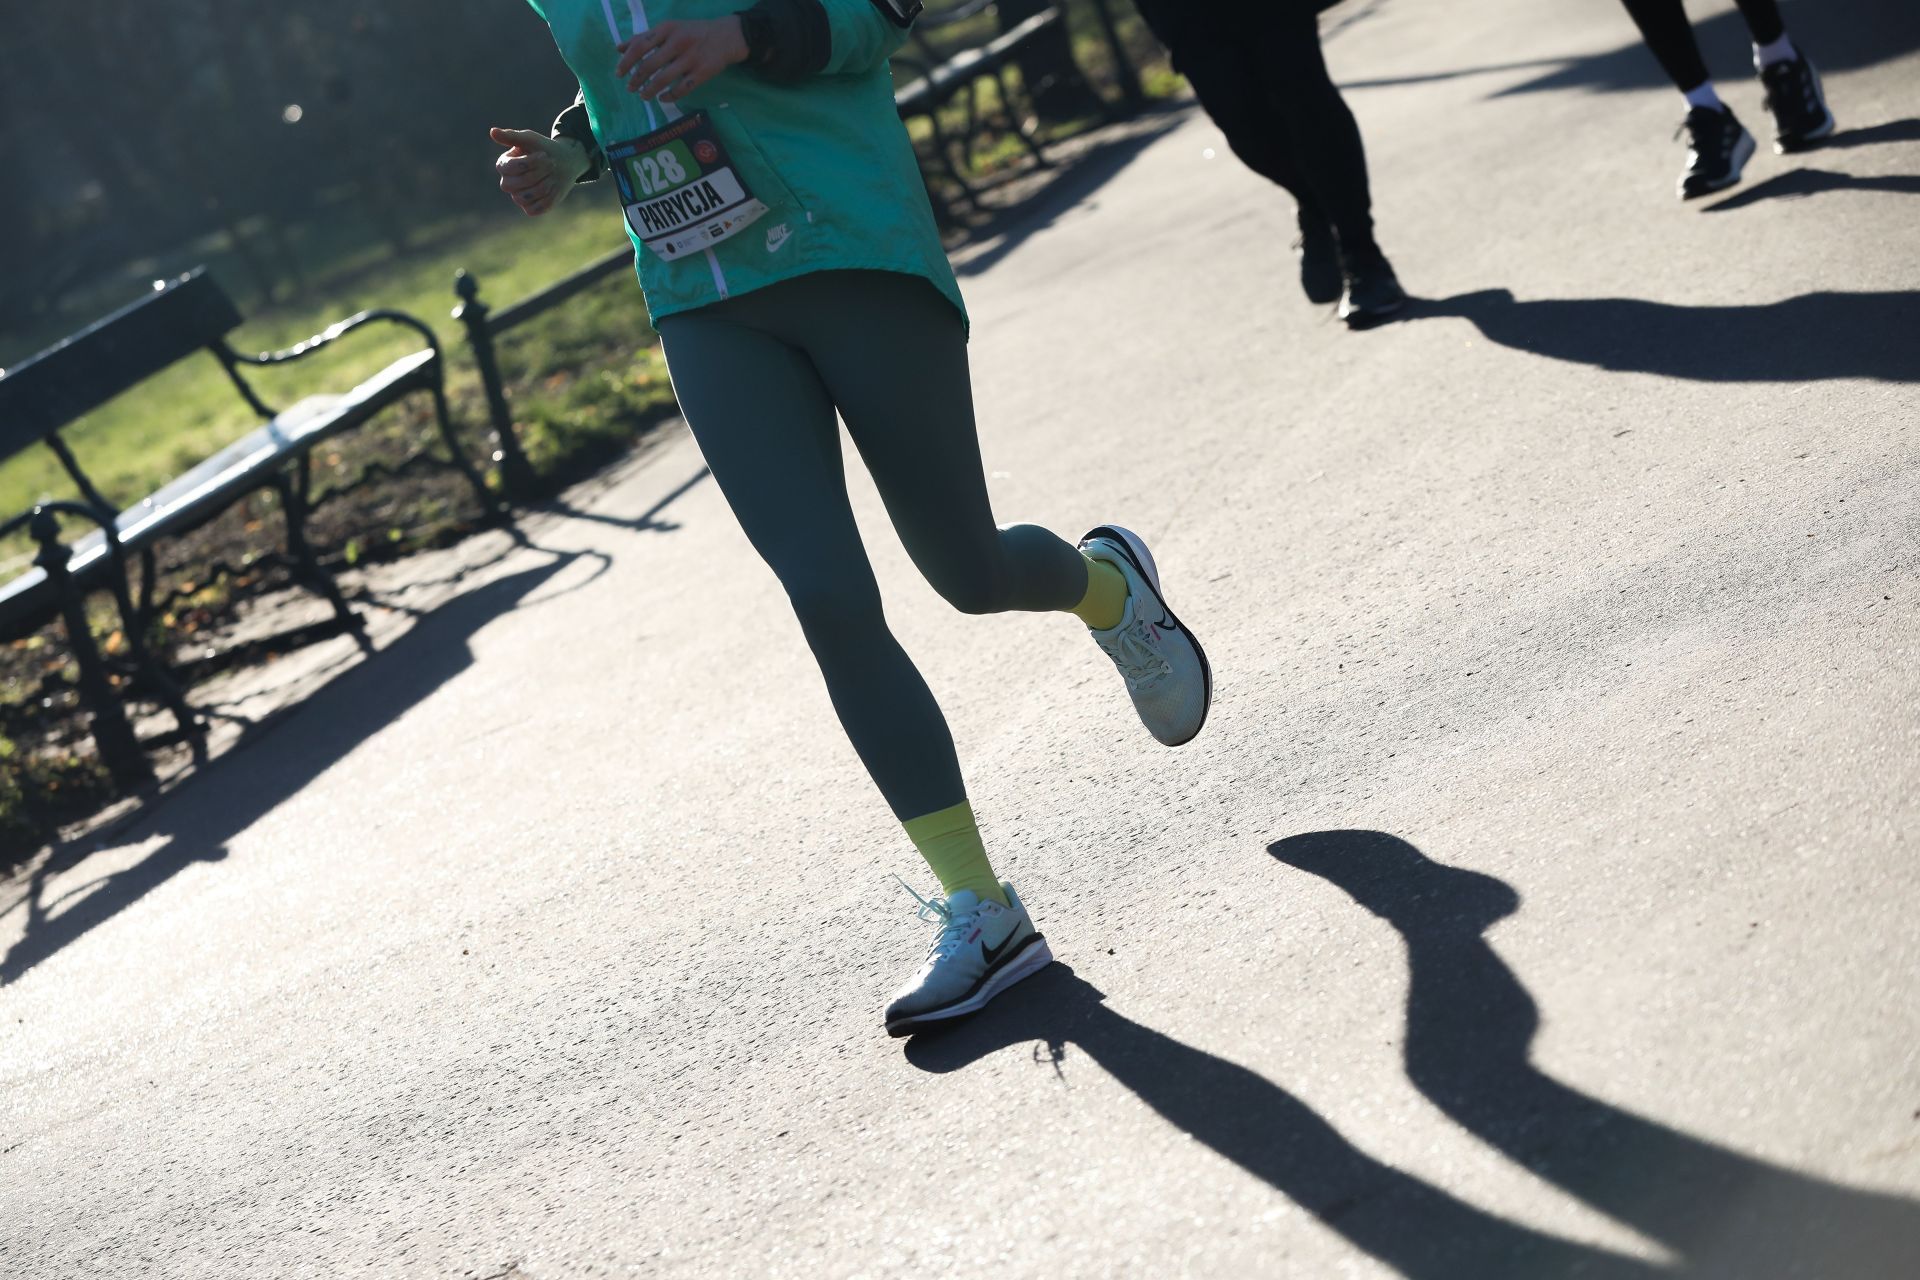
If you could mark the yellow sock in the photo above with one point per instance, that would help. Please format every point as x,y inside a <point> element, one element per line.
<point>950,842</point>
<point>1106,600</point>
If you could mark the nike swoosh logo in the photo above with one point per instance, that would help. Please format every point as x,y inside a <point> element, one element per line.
<point>993,954</point>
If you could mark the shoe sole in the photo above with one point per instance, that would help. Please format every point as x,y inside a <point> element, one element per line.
<point>1136,551</point>
<point>1786,146</point>
<point>1373,318</point>
<point>1805,141</point>
<point>1029,960</point>
<point>1321,289</point>
<point>1742,152</point>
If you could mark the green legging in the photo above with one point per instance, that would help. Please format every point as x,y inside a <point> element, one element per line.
<point>759,378</point>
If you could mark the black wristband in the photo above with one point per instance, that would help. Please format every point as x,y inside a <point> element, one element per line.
<point>756,28</point>
<point>787,40</point>
<point>573,124</point>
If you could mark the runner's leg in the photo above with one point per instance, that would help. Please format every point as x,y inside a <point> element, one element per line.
<point>1763,20</point>
<point>1664,26</point>
<point>892,351</point>
<point>763,419</point>
<point>893,354</point>
<point>1321,136</point>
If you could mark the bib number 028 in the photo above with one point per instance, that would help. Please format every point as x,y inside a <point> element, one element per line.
<point>658,171</point>
<point>680,188</point>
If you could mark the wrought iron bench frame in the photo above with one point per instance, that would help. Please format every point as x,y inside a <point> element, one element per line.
<point>939,78</point>
<point>47,393</point>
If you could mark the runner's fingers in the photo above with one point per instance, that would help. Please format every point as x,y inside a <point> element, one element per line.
<point>665,76</point>
<point>511,165</point>
<point>683,86</point>
<point>634,49</point>
<point>657,70</point>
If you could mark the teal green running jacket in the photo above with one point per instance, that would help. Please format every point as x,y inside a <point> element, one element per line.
<point>828,156</point>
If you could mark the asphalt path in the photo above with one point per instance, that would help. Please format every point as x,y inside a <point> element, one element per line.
<point>1539,901</point>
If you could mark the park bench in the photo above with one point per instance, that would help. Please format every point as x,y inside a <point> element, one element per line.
<point>944,71</point>
<point>46,393</point>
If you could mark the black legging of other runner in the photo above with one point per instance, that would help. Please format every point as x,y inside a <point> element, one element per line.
<point>1257,68</point>
<point>1668,33</point>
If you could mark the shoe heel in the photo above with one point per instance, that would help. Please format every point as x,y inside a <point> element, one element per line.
<point>1138,550</point>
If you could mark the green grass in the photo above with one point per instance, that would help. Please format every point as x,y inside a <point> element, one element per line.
<point>179,417</point>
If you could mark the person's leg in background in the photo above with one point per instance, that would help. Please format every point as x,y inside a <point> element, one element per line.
<point>1718,145</point>
<point>1795,97</point>
<point>1257,70</point>
<point>1226,75</point>
<point>1323,140</point>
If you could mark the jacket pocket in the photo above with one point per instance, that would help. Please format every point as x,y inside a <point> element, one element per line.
<point>765,180</point>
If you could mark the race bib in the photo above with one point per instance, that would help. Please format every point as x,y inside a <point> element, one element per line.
<point>681,191</point>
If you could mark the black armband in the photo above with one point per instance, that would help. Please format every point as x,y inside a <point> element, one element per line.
<point>900,13</point>
<point>573,123</point>
<point>787,40</point>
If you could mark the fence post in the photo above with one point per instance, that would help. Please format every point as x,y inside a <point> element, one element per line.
<point>119,748</point>
<point>515,471</point>
<point>1130,91</point>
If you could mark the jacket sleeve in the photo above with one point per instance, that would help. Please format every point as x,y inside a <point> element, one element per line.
<point>863,37</point>
<point>792,40</point>
<point>573,123</point>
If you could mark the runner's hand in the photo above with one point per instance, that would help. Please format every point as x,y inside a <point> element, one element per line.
<point>671,60</point>
<point>537,172</point>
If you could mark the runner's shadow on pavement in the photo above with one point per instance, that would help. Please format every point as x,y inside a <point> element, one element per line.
<point>1468,1048</point>
<point>647,521</point>
<point>1419,1229</point>
<point>1802,339</point>
<point>222,800</point>
<point>1470,1029</point>
<point>1811,182</point>
<point>1070,187</point>
<point>1873,135</point>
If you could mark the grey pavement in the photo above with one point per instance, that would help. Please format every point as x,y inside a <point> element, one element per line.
<point>1539,902</point>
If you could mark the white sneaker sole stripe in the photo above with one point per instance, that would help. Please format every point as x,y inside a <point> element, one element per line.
<point>1143,559</point>
<point>1036,957</point>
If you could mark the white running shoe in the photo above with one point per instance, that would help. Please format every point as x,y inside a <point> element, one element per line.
<point>982,949</point>
<point>1165,668</point>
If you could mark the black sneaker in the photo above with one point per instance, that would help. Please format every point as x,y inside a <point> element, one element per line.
<point>1373,292</point>
<point>1718,148</point>
<point>1319,252</point>
<point>1800,115</point>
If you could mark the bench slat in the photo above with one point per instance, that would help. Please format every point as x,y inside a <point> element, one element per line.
<point>80,374</point>
<point>213,484</point>
<point>942,81</point>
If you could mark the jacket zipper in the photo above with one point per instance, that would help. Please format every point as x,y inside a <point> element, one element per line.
<point>637,12</point>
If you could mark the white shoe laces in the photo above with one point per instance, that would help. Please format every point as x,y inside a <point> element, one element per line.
<point>952,927</point>
<point>1139,660</point>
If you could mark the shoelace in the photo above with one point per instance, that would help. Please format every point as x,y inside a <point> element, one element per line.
<point>1139,661</point>
<point>952,927</point>
<point>1790,78</point>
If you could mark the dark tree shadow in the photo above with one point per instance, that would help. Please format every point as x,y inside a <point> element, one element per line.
<point>1803,339</point>
<point>1796,183</point>
<point>647,521</point>
<point>1839,35</point>
<point>1408,1223</point>
<point>1006,229</point>
<point>1457,73</point>
<point>1470,1030</point>
<point>202,816</point>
